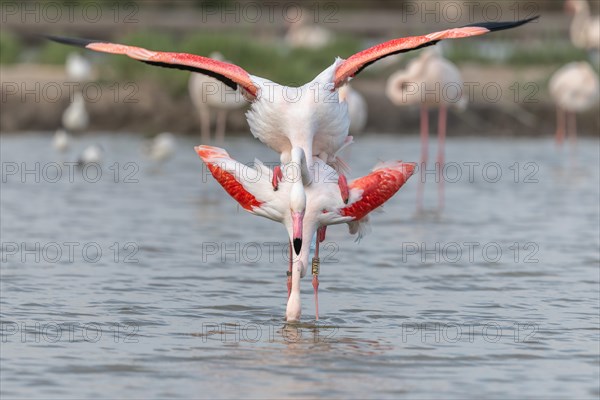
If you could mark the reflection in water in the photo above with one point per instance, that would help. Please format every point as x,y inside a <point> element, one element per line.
<point>181,294</point>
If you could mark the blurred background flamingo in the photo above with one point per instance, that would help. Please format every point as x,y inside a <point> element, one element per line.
<point>209,95</point>
<point>575,89</point>
<point>430,81</point>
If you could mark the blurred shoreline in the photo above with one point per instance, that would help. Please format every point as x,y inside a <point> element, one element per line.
<point>508,72</point>
<point>42,94</point>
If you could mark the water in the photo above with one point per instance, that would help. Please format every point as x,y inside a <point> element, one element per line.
<point>165,317</point>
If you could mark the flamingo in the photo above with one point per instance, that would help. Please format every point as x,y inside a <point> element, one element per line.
<point>302,35</point>
<point>431,81</point>
<point>60,141</point>
<point>310,116</point>
<point>91,154</point>
<point>75,117</point>
<point>162,147</point>
<point>78,67</point>
<point>357,109</point>
<point>316,198</point>
<point>574,88</point>
<point>206,93</point>
<point>585,28</point>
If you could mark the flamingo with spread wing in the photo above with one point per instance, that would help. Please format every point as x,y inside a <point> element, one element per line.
<point>315,197</point>
<point>312,116</point>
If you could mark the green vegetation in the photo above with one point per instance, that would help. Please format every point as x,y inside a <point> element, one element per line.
<point>10,48</point>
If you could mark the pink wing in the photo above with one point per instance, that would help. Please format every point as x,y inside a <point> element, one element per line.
<point>356,63</point>
<point>377,187</point>
<point>216,159</point>
<point>229,74</point>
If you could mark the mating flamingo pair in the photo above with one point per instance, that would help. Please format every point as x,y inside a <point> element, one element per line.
<point>307,126</point>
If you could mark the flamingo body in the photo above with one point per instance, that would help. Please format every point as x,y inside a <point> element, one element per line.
<point>315,121</point>
<point>75,118</point>
<point>162,147</point>
<point>357,108</point>
<point>78,67</point>
<point>251,188</point>
<point>60,141</point>
<point>585,28</point>
<point>574,87</point>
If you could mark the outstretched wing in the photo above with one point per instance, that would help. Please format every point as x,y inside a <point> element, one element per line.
<point>371,191</point>
<point>249,186</point>
<point>230,74</point>
<point>356,63</point>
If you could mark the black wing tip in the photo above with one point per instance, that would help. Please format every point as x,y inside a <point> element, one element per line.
<point>70,41</point>
<point>499,26</point>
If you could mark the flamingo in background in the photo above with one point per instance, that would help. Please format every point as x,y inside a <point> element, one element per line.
<point>161,148</point>
<point>206,93</point>
<point>357,109</point>
<point>310,116</point>
<point>317,199</point>
<point>302,35</point>
<point>575,89</point>
<point>431,81</point>
<point>78,67</point>
<point>585,28</point>
<point>60,141</point>
<point>75,117</point>
<point>91,154</point>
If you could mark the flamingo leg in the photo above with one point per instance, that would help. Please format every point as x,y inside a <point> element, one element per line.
<point>315,268</point>
<point>424,154</point>
<point>277,177</point>
<point>289,272</point>
<point>344,191</point>
<point>220,127</point>
<point>560,126</point>
<point>572,128</point>
<point>442,120</point>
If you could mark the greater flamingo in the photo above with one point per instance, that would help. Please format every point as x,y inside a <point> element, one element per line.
<point>357,109</point>
<point>575,89</point>
<point>319,199</point>
<point>60,141</point>
<point>209,93</point>
<point>430,81</point>
<point>310,116</point>
<point>91,154</point>
<point>78,68</point>
<point>301,34</point>
<point>75,117</point>
<point>162,147</point>
<point>585,28</point>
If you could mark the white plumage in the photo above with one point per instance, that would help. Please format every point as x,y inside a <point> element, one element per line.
<point>75,118</point>
<point>60,141</point>
<point>78,68</point>
<point>209,93</point>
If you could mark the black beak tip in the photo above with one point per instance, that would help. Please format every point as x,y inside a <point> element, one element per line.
<point>297,245</point>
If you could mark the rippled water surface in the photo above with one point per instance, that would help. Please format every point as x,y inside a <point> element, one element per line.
<point>498,296</point>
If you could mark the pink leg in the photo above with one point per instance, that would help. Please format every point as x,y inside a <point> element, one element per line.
<point>442,119</point>
<point>277,177</point>
<point>572,128</point>
<point>315,269</point>
<point>572,133</point>
<point>321,234</point>
<point>343,184</point>
<point>424,154</point>
<point>560,126</point>
<point>289,272</point>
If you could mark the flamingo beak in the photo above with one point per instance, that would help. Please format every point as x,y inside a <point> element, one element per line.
<point>297,221</point>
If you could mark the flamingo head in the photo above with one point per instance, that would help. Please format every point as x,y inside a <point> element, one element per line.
<point>297,208</point>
